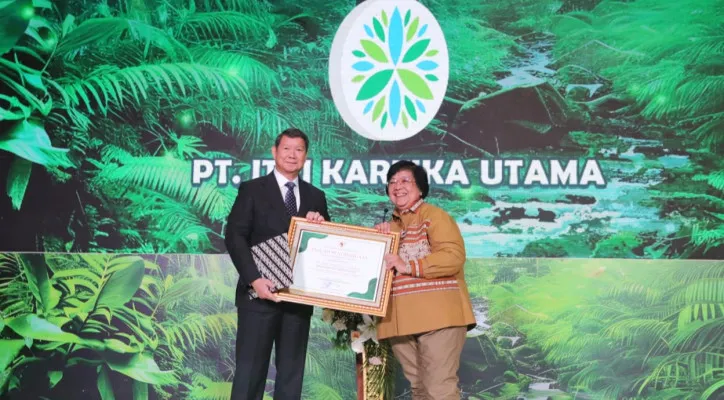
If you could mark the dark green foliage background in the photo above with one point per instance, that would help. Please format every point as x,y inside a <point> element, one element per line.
<point>163,326</point>
<point>104,104</point>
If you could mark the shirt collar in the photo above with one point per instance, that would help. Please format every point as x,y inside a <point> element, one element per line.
<point>282,180</point>
<point>412,209</point>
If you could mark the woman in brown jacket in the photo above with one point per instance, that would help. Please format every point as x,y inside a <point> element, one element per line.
<point>430,311</point>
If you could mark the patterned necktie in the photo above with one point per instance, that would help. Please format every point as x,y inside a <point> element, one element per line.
<point>290,201</point>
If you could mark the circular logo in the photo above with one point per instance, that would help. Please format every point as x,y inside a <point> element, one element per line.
<point>388,69</point>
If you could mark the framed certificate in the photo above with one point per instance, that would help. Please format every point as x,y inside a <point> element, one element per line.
<point>339,266</point>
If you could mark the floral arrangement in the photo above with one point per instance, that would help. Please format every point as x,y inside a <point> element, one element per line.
<point>359,333</point>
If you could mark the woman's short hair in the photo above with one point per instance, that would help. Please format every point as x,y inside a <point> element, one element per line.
<point>418,172</point>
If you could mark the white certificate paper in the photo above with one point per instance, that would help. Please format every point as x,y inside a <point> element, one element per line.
<point>337,265</point>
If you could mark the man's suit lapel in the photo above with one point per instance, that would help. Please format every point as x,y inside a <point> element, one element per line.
<point>274,194</point>
<point>305,201</point>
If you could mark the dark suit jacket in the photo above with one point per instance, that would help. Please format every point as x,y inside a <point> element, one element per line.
<point>259,214</point>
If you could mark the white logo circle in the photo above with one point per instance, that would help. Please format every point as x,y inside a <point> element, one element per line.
<point>388,69</point>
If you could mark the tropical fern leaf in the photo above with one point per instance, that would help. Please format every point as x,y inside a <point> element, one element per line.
<point>107,31</point>
<point>701,291</point>
<point>715,179</point>
<point>218,25</point>
<point>109,86</point>
<point>204,388</point>
<point>171,177</point>
<point>708,131</point>
<point>197,329</point>
<point>170,221</point>
<point>700,312</point>
<point>321,391</point>
<point>256,74</point>
<point>244,6</point>
<point>636,290</point>
<point>631,331</point>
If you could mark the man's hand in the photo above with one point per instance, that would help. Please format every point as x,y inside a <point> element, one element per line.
<point>263,288</point>
<point>393,261</point>
<point>383,227</point>
<point>314,216</point>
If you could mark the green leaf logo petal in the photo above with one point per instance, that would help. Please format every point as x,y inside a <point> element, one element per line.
<point>379,30</point>
<point>358,78</point>
<point>379,107</point>
<point>373,50</point>
<point>410,108</point>
<point>415,84</point>
<point>413,29</point>
<point>415,51</point>
<point>374,85</point>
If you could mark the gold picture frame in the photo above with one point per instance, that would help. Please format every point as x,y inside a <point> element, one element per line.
<point>340,266</point>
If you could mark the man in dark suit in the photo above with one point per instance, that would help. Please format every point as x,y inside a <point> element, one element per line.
<point>262,210</point>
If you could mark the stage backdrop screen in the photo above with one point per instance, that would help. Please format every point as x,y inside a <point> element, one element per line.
<point>577,143</point>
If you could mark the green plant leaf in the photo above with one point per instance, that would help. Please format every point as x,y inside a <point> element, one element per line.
<point>68,24</point>
<point>42,4</point>
<point>415,84</point>
<point>33,327</point>
<point>18,178</point>
<point>431,77</point>
<point>141,367</point>
<point>54,377</point>
<point>29,140</point>
<point>384,121</point>
<point>374,50</point>
<point>14,20</point>
<point>358,53</point>
<point>140,390</point>
<point>112,29</point>
<point>431,53</point>
<point>385,21</point>
<point>416,50</point>
<point>105,388</point>
<point>122,284</point>
<point>374,85</point>
<point>9,349</point>
<point>358,78</point>
<point>379,107</point>
<point>379,30</point>
<point>40,285</point>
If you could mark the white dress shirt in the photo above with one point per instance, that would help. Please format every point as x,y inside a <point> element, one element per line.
<point>282,180</point>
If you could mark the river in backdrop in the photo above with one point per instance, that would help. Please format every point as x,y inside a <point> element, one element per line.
<point>523,215</point>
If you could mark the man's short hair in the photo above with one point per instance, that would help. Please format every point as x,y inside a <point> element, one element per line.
<point>293,133</point>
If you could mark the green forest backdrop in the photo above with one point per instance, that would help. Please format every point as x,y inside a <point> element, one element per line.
<point>105,103</point>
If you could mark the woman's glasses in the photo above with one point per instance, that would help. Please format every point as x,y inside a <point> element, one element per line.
<point>403,181</point>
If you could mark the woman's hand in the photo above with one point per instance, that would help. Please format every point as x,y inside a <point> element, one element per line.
<point>393,261</point>
<point>383,227</point>
<point>314,216</point>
